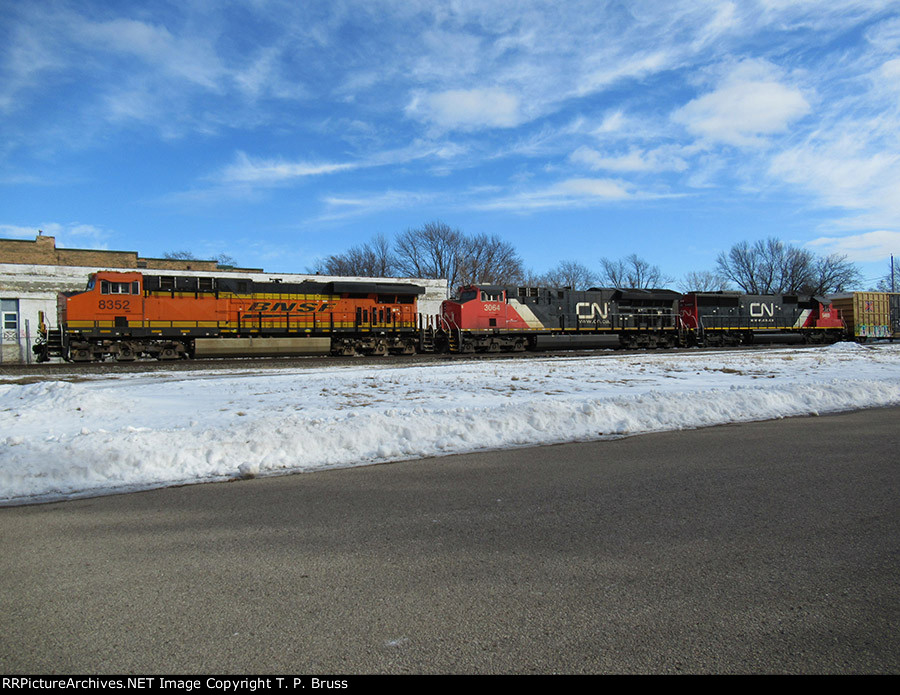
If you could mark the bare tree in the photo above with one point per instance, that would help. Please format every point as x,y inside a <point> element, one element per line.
<point>532,279</point>
<point>772,267</point>
<point>632,272</point>
<point>373,259</point>
<point>180,256</point>
<point>382,257</point>
<point>741,265</point>
<point>570,274</point>
<point>703,281</point>
<point>433,251</point>
<point>890,283</point>
<point>832,273</point>
<point>222,258</point>
<point>490,260</point>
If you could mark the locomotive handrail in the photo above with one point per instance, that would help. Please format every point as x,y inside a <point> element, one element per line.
<point>448,323</point>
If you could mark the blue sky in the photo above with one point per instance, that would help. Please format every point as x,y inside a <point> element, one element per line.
<point>282,131</point>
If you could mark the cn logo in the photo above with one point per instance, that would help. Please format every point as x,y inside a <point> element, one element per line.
<point>591,310</point>
<point>758,309</point>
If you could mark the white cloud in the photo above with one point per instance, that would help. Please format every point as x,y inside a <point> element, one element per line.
<point>885,35</point>
<point>345,206</point>
<point>890,71</point>
<point>632,67</point>
<point>250,171</point>
<point>467,109</point>
<point>612,123</point>
<point>571,193</point>
<point>866,247</point>
<point>245,170</point>
<point>607,189</point>
<point>846,172</point>
<point>12,231</point>
<point>188,57</point>
<point>723,20</point>
<point>749,105</point>
<point>73,234</point>
<point>635,160</point>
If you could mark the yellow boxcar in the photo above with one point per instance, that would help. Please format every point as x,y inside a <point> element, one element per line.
<point>870,314</point>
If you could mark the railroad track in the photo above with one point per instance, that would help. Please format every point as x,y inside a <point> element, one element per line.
<point>28,373</point>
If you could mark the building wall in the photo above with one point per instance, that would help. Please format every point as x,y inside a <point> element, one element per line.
<point>43,251</point>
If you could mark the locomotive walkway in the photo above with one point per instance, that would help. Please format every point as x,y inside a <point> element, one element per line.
<point>761,547</point>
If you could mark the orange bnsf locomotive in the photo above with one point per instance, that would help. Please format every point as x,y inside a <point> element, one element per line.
<point>125,315</point>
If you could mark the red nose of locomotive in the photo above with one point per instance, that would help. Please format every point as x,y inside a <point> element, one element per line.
<point>460,312</point>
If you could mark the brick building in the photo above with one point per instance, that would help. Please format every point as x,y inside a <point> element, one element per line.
<point>43,251</point>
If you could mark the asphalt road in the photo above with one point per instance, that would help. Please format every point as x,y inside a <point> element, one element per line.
<point>761,548</point>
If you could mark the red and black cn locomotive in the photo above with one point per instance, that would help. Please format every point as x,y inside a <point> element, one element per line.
<point>493,318</point>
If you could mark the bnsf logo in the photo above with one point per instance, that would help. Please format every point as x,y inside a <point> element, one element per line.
<point>287,307</point>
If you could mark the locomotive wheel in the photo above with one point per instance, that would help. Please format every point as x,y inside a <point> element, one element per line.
<point>81,355</point>
<point>344,349</point>
<point>125,353</point>
<point>168,352</point>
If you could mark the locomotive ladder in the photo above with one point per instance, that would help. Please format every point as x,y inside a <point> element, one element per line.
<point>53,345</point>
<point>426,340</point>
<point>453,340</point>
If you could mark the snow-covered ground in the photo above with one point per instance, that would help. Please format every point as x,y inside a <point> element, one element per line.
<point>136,431</point>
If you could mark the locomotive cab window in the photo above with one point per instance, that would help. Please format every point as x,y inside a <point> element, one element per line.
<point>107,287</point>
<point>491,296</point>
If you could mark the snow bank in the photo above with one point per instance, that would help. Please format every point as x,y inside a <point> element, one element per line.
<point>148,430</point>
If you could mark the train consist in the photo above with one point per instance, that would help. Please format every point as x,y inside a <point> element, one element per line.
<point>127,315</point>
